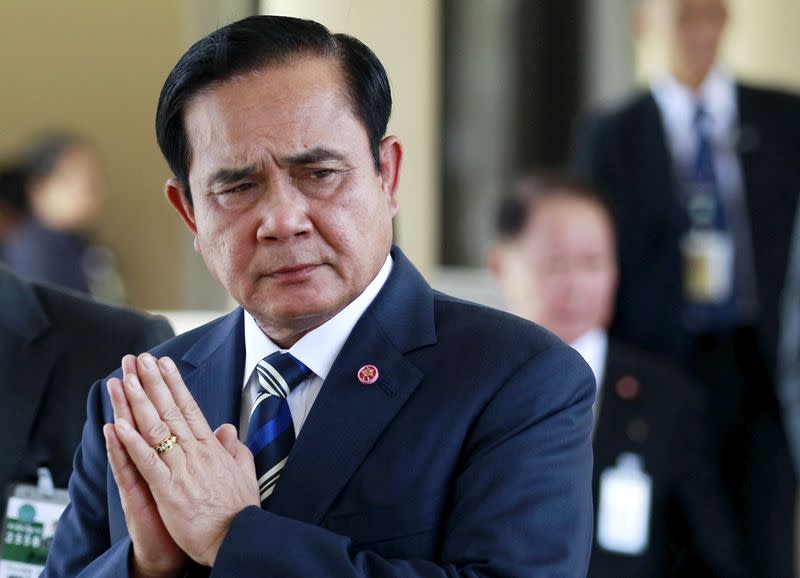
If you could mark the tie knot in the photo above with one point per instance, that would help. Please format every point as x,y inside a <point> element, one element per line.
<point>279,373</point>
<point>701,117</point>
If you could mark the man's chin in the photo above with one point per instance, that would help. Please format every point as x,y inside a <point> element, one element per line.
<point>292,316</point>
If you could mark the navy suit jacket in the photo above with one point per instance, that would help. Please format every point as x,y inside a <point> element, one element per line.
<point>470,456</point>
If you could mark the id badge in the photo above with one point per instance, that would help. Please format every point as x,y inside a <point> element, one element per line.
<point>623,511</point>
<point>32,513</point>
<point>708,266</point>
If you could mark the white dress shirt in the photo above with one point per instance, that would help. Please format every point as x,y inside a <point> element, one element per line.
<point>593,347</point>
<point>718,96</point>
<point>317,350</point>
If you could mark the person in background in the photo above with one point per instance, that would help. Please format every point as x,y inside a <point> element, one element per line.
<point>53,345</point>
<point>13,200</point>
<point>555,260</point>
<point>702,173</point>
<point>65,193</point>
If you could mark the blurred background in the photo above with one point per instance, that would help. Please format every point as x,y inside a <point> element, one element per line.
<point>482,89</point>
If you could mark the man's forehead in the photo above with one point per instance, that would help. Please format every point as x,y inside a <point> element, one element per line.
<point>285,109</point>
<point>566,211</point>
<point>288,87</point>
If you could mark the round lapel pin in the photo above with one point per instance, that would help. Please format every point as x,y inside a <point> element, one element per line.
<point>628,388</point>
<point>368,374</point>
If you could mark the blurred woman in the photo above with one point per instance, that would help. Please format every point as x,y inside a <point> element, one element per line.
<point>65,196</point>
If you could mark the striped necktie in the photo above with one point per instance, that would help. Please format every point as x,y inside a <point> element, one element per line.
<point>270,432</point>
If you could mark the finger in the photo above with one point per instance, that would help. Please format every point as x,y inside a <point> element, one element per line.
<point>151,428</point>
<point>149,465</point>
<point>227,436</point>
<point>119,403</point>
<point>152,380</point>
<point>183,398</point>
<point>129,365</point>
<point>124,470</point>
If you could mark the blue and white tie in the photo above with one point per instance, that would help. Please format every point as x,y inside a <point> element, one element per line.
<point>270,432</point>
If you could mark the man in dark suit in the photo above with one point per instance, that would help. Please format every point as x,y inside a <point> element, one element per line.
<point>703,174</point>
<point>52,346</point>
<point>388,430</point>
<point>555,260</point>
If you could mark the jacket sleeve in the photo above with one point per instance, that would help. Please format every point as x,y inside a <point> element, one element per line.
<point>521,503</point>
<point>82,545</point>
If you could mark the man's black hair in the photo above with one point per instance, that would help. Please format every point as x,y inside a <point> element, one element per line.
<point>517,206</point>
<point>258,42</point>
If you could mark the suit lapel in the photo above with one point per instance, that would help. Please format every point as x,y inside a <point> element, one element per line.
<point>218,360</point>
<point>27,357</point>
<point>348,417</point>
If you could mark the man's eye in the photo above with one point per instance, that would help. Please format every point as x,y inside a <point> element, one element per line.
<point>321,173</point>
<point>240,188</point>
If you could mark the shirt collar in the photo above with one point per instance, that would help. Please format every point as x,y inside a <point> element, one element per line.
<point>677,102</point>
<point>319,348</point>
<point>593,347</point>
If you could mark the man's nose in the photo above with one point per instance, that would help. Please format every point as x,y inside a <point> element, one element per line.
<point>284,212</point>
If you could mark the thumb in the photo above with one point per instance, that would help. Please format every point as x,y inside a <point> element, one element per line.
<point>244,459</point>
<point>227,436</point>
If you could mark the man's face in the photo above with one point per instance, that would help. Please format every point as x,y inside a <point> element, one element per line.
<point>561,273</point>
<point>695,34</point>
<point>289,212</point>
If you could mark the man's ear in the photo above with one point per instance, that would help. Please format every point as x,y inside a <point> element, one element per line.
<point>391,155</point>
<point>177,197</point>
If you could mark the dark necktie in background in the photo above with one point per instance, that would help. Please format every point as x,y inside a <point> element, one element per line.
<point>708,249</point>
<point>270,432</point>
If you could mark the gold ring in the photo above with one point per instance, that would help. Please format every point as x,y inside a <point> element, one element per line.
<point>166,444</point>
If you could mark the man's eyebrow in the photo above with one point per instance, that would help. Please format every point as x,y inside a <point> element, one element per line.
<point>224,176</point>
<point>314,155</point>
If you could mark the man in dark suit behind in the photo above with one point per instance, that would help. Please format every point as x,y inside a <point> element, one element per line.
<point>52,346</point>
<point>702,173</point>
<point>555,261</point>
<point>388,430</point>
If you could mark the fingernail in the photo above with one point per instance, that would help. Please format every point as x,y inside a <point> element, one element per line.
<point>167,365</point>
<point>123,424</point>
<point>148,361</point>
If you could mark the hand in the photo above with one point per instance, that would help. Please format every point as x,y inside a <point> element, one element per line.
<point>202,483</point>
<point>155,553</point>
